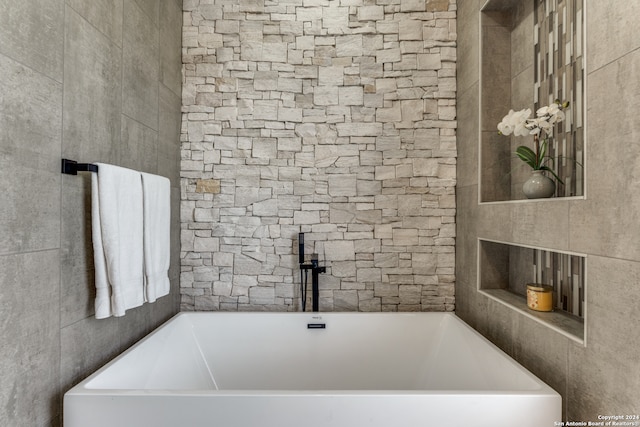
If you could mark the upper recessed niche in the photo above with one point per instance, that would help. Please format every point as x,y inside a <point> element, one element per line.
<point>531,55</point>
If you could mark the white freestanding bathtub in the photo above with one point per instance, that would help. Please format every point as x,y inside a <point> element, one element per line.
<point>312,370</point>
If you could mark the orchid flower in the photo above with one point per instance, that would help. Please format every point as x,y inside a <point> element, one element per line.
<point>520,123</point>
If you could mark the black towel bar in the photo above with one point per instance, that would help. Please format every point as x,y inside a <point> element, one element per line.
<point>71,167</point>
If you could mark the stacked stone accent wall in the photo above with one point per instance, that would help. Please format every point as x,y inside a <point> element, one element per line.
<point>336,118</point>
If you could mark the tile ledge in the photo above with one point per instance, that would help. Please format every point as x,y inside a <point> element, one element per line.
<point>557,321</point>
<point>521,201</point>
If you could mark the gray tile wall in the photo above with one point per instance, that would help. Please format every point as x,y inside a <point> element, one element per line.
<point>602,377</point>
<point>92,81</point>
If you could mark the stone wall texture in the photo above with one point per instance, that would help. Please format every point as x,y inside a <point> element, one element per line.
<point>332,118</point>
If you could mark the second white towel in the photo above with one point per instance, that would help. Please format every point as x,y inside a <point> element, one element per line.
<point>157,227</point>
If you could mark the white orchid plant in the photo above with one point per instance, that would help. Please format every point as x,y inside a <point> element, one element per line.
<point>520,123</point>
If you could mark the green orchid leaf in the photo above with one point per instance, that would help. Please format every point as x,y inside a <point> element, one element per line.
<point>543,151</point>
<point>548,169</point>
<point>527,155</point>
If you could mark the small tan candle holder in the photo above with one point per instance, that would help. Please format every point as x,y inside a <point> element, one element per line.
<point>539,297</point>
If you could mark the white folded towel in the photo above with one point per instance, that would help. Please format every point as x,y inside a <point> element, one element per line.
<point>157,240</point>
<point>116,209</point>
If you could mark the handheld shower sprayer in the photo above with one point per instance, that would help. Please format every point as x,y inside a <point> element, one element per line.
<point>303,272</point>
<point>301,248</point>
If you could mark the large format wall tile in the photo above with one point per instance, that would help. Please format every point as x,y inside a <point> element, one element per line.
<point>466,260</point>
<point>92,88</point>
<point>522,53</point>
<point>169,165</point>
<point>30,336</point>
<point>171,45</point>
<point>603,376</point>
<point>88,344</point>
<point>551,233</point>
<point>77,285</point>
<point>152,8</point>
<point>105,15</point>
<point>467,161</point>
<point>30,118</point>
<point>31,33</point>
<point>91,133</point>
<point>502,326</point>
<point>608,29</point>
<point>169,134</point>
<point>552,368</point>
<point>71,104</point>
<point>139,146</point>
<point>610,212</point>
<point>468,45</point>
<point>140,66</point>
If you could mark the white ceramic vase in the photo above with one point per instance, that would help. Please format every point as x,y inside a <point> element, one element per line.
<point>538,186</point>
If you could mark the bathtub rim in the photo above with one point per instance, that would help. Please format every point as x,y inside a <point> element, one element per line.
<point>543,390</point>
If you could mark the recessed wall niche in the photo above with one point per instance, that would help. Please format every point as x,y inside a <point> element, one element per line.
<point>532,53</point>
<point>506,269</point>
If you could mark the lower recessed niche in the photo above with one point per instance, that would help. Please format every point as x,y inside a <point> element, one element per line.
<point>505,270</point>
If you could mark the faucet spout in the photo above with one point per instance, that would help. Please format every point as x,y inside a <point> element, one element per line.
<point>316,270</point>
<point>315,289</point>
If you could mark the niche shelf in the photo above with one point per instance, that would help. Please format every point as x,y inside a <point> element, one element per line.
<point>531,53</point>
<point>504,270</point>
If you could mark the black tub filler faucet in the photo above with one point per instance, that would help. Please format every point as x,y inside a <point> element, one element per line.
<point>315,271</point>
